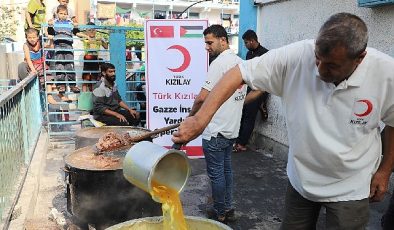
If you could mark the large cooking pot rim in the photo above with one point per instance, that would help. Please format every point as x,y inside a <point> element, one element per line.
<point>122,150</point>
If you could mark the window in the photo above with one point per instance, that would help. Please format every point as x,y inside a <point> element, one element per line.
<point>373,3</point>
<point>265,1</point>
<point>159,14</point>
<point>194,15</point>
<point>226,16</point>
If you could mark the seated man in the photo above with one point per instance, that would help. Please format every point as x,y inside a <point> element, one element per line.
<point>108,106</point>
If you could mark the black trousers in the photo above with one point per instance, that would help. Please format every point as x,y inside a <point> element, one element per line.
<point>249,113</point>
<point>302,214</point>
<point>388,218</point>
<point>114,121</point>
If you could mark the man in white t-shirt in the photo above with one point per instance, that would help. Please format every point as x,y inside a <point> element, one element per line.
<point>334,92</point>
<point>219,136</point>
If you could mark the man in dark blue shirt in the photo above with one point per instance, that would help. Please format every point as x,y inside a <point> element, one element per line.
<point>250,109</point>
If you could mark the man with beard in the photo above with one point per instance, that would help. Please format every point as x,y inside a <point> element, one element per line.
<point>334,92</point>
<point>108,106</point>
<point>218,138</point>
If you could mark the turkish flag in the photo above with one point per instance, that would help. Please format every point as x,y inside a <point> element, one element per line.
<point>161,31</point>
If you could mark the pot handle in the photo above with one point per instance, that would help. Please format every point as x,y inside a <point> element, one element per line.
<point>176,146</point>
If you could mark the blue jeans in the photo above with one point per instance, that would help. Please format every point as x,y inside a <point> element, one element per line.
<point>217,153</point>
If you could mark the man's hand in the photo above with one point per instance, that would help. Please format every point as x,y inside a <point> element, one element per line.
<point>122,118</point>
<point>189,130</point>
<point>134,113</point>
<point>379,186</point>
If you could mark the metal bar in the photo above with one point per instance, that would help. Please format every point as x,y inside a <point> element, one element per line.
<point>117,45</point>
<point>24,127</point>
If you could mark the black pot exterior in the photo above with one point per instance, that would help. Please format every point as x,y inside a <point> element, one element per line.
<point>101,197</point>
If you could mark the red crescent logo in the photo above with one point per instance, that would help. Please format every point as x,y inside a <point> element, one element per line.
<point>366,112</point>
<point>186,58</point>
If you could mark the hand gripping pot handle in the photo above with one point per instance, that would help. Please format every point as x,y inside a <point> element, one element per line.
<point>146,162</point>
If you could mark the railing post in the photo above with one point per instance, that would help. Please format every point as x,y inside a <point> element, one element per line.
<point>117,46</point>
<point>25,131</point>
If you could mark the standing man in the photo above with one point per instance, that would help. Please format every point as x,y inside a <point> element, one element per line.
<point>108,106</point>
<point>387,220</point>
<point>219,136</point>
<point>250,109</point>
<point>334,91</point>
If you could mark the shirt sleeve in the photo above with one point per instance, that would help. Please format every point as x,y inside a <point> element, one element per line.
<point>99,105</point>
<point>388,117</point>
<point>117,96</point>
<point>388,107</point>
<point>268,72</point>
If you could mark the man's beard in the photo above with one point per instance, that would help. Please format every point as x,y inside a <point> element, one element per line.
<point>110,79</point>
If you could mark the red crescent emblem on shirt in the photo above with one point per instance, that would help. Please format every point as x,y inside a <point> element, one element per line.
<point>367,111</point>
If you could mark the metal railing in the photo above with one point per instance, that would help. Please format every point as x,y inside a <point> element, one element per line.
<point>20,125</point>
<point>62,122</point>
<point>6,84</point>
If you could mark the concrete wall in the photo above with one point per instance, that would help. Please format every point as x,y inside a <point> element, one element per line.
<point>283,22</point>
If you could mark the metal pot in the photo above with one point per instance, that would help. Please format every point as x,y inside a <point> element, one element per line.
<point>156,223</point>
<point>146,162</point>
<point>102,196</point>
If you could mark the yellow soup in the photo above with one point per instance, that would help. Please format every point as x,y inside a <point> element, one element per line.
<point>171,205</point>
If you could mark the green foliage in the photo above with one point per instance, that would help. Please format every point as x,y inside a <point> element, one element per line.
<point>133,37</point>
<point>8,22</point>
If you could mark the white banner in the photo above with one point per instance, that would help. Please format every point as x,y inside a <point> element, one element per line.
<point>176,67</point>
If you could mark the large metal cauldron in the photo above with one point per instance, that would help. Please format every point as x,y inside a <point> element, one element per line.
<point>98,193</point>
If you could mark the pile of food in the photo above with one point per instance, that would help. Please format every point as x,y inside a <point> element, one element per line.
<point>108,152</point>
<point>112,141</point>
<point>86,158</point>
